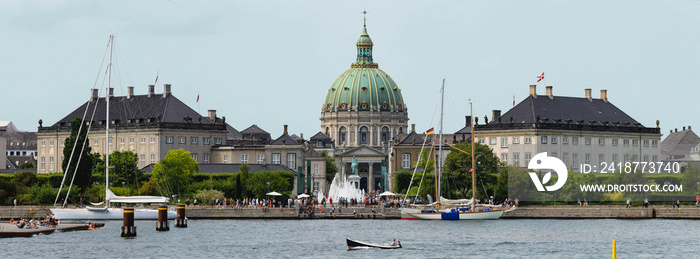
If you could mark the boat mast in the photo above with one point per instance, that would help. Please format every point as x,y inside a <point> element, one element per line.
<point>471,114</point>
<point>442,102</point>
<point>109,78</point>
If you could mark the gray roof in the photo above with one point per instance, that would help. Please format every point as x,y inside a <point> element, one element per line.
<point>233,168</point>
<point>320,136</point>
<point>20,140</point>
<point>285,139</point>
<point>232,133</point>
<point>169,108</point>
<point>312,153</point>
<point>679,143</point>
<point>254,129</point>
<point>564,108</point>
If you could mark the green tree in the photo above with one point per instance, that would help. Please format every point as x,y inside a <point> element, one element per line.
<point>82,162</point>
<point>457,165</point>
<point>27,165</point>
<point>174,172</point>
<point>280,181</point>
<point>123,167</point>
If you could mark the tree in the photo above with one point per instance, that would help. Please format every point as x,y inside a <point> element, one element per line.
<point>27,165</point>
<point>172,174</point>
<point>123,167</point>
<point>457,165</point>
<point>280,181</point>
<point>81,156</point>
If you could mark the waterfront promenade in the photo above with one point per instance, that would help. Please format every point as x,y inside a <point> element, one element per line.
<point>523,212</point>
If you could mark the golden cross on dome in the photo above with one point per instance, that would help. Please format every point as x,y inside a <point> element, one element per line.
<point>364,20</point>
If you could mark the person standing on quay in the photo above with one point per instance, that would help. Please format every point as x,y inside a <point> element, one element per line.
<point>15,203</point>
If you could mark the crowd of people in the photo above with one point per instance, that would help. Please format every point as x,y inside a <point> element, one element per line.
<point>34,223</point>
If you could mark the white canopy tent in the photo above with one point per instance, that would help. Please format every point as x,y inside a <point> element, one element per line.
<point>387,193</point>
<point>274,194</point>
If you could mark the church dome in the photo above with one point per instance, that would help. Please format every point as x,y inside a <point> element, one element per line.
<point>364,87</point>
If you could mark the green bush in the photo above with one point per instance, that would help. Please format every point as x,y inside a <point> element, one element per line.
<point>208,196</point>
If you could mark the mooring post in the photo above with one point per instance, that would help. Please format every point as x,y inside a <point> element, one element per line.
<point>128,229</point>
<point>162,224</point>
<point>181,220</point>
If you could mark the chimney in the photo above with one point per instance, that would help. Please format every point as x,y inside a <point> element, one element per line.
<point>212,115</point>
<point>604,95</point>
<point>94,94</point>
<point>166,90</point>
<point>688,127</point>
<point>533,91</point>
<point>469,120</point>
<point>130,92</point>
<point>683,128</point>
<point>549,92</point>
<point>111,92</point>
<point>588,94</point>
<point>150,90</point>
<point>285,129</point>
<point>676,129</point>
<point>495,115</point>
<point>413,127</point>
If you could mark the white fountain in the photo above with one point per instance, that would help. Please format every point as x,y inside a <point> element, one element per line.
<point>347,188</point>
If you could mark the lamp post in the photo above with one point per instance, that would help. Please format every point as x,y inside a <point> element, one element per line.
<point>268,187</point>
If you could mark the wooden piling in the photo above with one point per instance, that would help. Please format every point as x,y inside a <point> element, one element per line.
<point>128,229</point>
<point>162,224</point>
<point>181,220</point>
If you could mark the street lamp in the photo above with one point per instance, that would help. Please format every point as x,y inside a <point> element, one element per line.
<point>268,187</point>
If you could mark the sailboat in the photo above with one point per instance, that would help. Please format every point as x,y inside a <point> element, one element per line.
<point>455,210</point>
<point>107,213</point>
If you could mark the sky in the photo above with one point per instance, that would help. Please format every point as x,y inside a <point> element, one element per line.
<point>271,63</point>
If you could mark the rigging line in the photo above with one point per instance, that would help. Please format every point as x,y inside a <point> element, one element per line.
<point>70,187</point>
<point>430,154</point>
<point>81,126</point>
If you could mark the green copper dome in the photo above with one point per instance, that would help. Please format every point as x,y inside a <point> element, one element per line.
<point>364,86</point>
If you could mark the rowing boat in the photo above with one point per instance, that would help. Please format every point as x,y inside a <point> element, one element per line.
<point>354,244</point>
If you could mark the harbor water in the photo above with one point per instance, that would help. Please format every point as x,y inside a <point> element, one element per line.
<point>589,238</point>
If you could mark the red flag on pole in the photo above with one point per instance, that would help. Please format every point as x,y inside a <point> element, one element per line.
<point>471,170</point>
<point>539,78</point>
<point>198,97</point>
<point>513,100</point>
<point>156,82</point>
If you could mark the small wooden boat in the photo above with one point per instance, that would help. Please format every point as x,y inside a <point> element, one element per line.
<point>354,244</point>
<point>8,230</point>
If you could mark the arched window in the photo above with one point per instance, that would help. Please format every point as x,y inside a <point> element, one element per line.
<point>341,135</point>
<point>385,134</point>
<point>363,135</point>
<point>400,130</point>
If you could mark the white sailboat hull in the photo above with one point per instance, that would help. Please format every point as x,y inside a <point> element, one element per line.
<point>468,215</point>
<point>108,214</point>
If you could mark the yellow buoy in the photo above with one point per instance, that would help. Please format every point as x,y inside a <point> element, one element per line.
<point>614,250</point>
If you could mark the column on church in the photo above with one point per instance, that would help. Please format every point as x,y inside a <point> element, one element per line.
<point>370,179</point>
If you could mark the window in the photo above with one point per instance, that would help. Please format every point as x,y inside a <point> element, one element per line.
<point>614,158</point>
<point>225,159</point>
<point>315,170</point>
<point>217,141</point>
<point>43,143</point>
<point>574,160</point>
<point>194,140</point>
<point>614,142</point>
<point>260,158</point>
<point>504,142</point>
<point>492,141</point>
<point>635,143</point>
<point>319,143</point>
<point>110,141</point>
<point>626,142</point>
<point>565,158</point>
<point>143,140</point>
<point>169,140</point>
<point>153,158</point>
<point>504,157</point>
<point>516,159</point>
<point>601,141</point>
<point>627,158</point>
<point>554,154</point>
<point>363,135</point>
<point>121,140</point>
<point>182,140</point>
<point>291,161</point>
<point>646,158</point>
<point>51,142</point>
<point>574,140</point>
<point>588,141</point>
<point>406,161</point>
<point>51,164</point>
<point>587,159</point>
<point>96,142</point>
<point>244,158</point>
<point>276,159</point>
<point>528,156</point>
<point>482,141</point>
<point>516,140</point>
<point>654,143</point>
<point>601,158</point>
<point>153,139</point>
<point>554,140</point>
<point>206,158</point>
<point>316,184</point>
<point>131,140</point>
<point>205,140</point>
<point>565,140</point>
<point>654,159</point>
<point>42,163</point>
<point>194,156</point>
<point>528,140</point>
<point>646,143</point>
<point>543,139</point>
<point>143,159</point>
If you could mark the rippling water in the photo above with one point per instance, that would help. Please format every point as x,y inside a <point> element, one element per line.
<point>652,238</point>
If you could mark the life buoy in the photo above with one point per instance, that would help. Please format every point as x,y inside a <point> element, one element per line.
<point>437,206</point>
